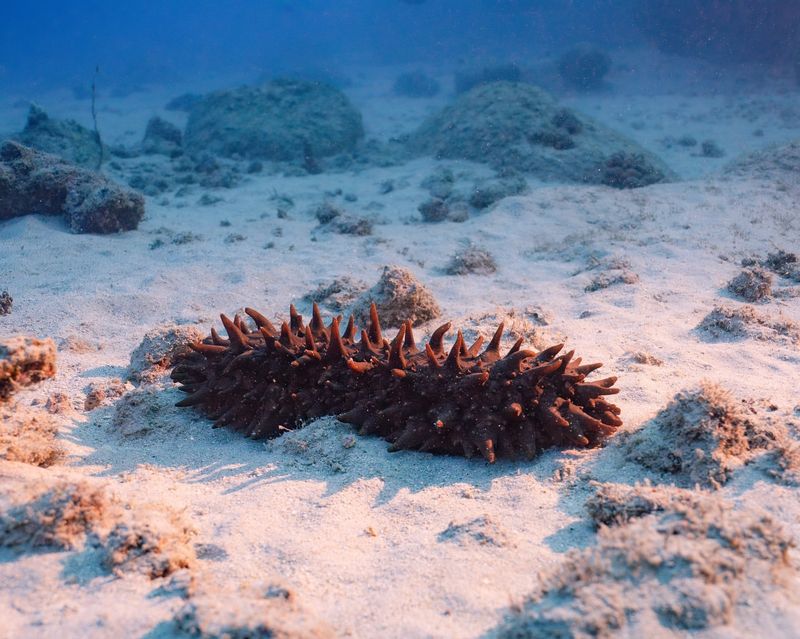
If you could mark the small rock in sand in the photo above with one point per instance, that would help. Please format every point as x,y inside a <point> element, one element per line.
<point>337,295</point>
<point>103,393</point>
<point>483,531</point>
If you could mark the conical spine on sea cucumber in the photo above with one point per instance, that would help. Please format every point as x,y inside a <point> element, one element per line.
<point>265,380</point>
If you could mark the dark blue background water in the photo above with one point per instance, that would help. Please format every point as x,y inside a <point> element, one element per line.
<point>50,42</point>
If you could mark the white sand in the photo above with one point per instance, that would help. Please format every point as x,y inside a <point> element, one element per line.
<point>356,532</point>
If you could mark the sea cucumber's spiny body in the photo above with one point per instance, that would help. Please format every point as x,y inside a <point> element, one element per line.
<point>263,382</point>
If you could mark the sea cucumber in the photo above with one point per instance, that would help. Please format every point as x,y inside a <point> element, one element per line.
<point>266,381</point>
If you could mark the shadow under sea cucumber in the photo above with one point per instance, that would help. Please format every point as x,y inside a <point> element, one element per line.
<point>266,381</point>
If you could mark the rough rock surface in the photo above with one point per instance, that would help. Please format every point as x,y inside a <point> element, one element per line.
<point>159,350</point>
<point>520,127</point>
<point>399,296</point>
<point>65,138</point>
<point>36,182</point>
<point>23,361</point>
<point>693,563</point>
<point>284,120</point>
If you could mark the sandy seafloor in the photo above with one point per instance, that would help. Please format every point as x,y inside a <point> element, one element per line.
<point>356,532</point>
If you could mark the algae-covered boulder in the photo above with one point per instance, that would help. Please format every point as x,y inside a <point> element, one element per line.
<point>65,138</point>
<point>284,120</point>
<point>518,126</point>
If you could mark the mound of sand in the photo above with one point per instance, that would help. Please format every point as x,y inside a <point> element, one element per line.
<point>43,511</point>
<point>519,127</point>
<point>780,162</point>
<point>247,611</point>
<point>683,561</point>
<point>727,322</point>
<point>28,436</point>
<point>702,437</point>
<point>284,120</point>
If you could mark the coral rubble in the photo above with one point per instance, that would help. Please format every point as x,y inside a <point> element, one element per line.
<point>265,381</point>
<point>36,182</point>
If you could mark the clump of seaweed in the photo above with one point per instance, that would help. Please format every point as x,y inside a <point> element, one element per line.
<point>146,538</point>
<point>683,560</point>
<point>59,517</point>
<point>262,382</point>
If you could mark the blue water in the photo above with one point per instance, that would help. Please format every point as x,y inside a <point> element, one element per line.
<point>54,43</point>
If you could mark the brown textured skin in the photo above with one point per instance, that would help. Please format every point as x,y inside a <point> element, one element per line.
<point>464,402</point>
